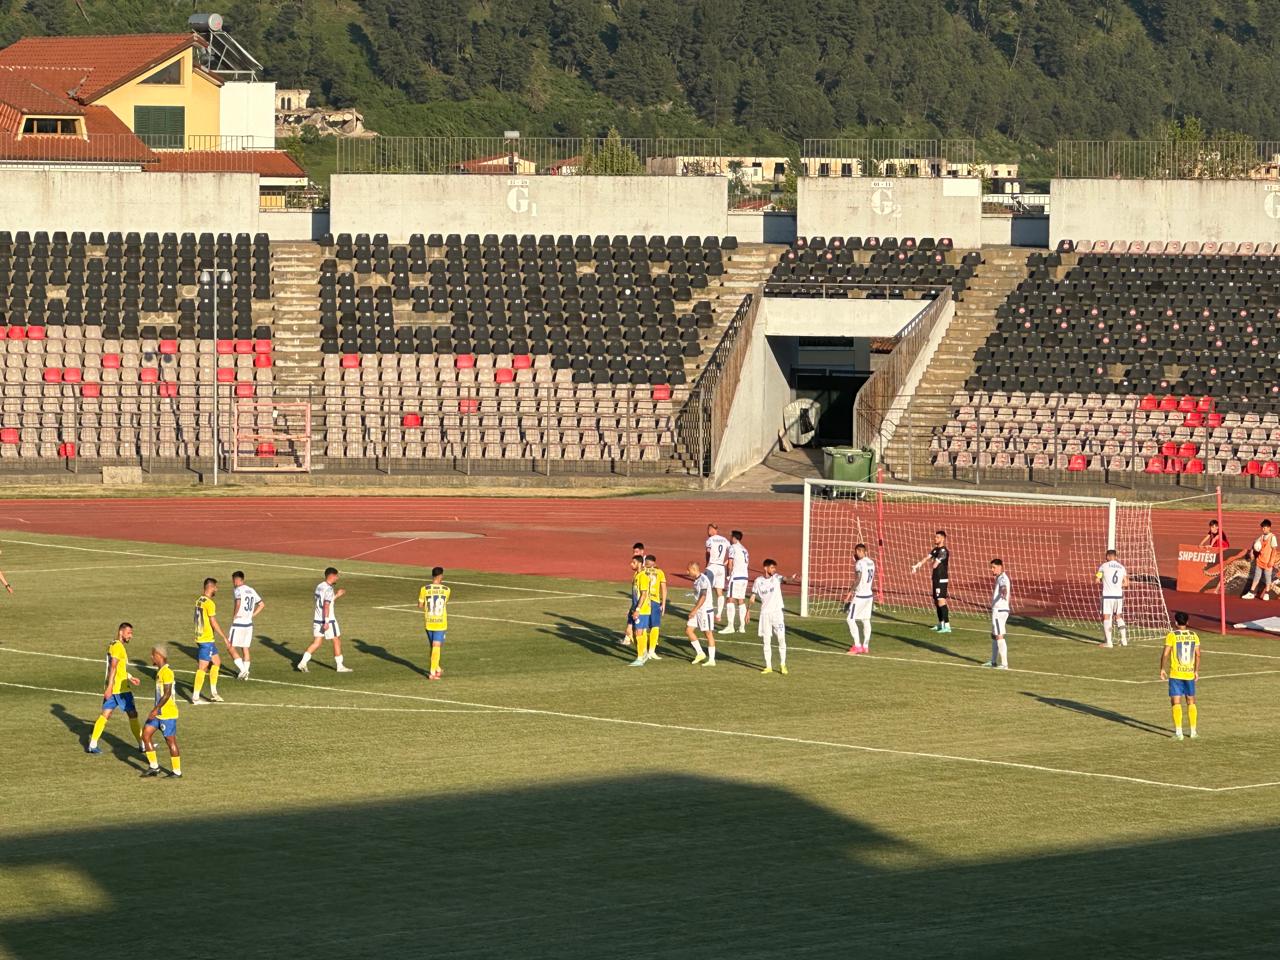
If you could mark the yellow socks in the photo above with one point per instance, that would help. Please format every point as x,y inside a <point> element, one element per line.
<point>1177,717</point>
<point>1191,714</point>
<point>98,726</point>
<point>135,724</point>
<point>151,759</point>
<point>199,684</point>
<point>175,761</point>
<point>435,657</point>
<point>653,638</point>
<point>642,643</point>
<point>213,677</point>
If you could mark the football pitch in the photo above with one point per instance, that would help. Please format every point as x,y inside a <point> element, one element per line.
<point>544,800</point>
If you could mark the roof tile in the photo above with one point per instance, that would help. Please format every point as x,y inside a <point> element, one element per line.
<point>106,61</point>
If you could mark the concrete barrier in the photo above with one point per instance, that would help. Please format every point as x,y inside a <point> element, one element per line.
<point>403,205</point>
<point>1165,210</point>
<point>800,317</point>
<point>1019,230</point>
<point>755,416</point>
<point>111,200</point>
<point>767,227</point>
<point>902,207</point>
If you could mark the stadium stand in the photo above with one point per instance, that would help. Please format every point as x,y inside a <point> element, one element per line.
<point>1152,359</point>
<point>894,268</point>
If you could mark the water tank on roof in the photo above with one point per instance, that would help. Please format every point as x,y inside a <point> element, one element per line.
<point>205,22</point>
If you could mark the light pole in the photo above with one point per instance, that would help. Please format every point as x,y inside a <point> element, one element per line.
<point>214,278</point>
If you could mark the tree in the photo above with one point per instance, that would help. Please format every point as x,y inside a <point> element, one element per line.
<point>610,158</point>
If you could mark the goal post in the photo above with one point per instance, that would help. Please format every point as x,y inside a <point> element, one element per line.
<point>1052,546</point>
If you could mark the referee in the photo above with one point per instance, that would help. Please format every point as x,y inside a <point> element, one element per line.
<point>939,559</point>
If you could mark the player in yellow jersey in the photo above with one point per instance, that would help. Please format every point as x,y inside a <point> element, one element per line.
<point>1180,665</point>
<point>117,696</point>
<point>643,605</point>
<point>433,601</point>
<point>657,602</point>
<point>208,663</point>
<point>163,716</point>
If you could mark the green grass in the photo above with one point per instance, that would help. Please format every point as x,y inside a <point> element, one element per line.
<point>504,812</point>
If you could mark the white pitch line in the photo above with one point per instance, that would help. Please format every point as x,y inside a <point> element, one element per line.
<point>272,706</point>
<point>101,566</point>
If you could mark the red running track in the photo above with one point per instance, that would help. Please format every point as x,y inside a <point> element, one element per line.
<point>587,539</point>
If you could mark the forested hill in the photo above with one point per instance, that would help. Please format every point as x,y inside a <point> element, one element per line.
<point>759,73</point>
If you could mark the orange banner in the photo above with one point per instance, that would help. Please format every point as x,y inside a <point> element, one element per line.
<point>1198,568</point>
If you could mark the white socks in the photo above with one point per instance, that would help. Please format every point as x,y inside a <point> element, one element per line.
<point>1106,630</point>
<point>1124,632</point>
<point>742,615</point>
<point>999,652</point>
<point>768,653</point>
<point>720,606</point>
<point>859,628</point>
<point>306,658</point>
<point>711,653</point>
<point>338,662</point>
<point>782,649</point>
<point>697,647</point>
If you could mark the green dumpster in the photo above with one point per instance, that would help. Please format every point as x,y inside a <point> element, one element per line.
<point>848,463</point>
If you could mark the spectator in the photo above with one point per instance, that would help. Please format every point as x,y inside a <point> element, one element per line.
<point>1264,553</point>
<point>1215,538</point>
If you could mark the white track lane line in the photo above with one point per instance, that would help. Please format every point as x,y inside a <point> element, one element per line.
<point>743,734</point>
<point>385,546</point>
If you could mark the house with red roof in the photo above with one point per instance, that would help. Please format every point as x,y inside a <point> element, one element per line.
<point>145,103</point>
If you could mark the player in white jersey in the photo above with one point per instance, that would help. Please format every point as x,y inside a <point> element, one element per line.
<point>738,576</point>
<point>248,604</point>
<point>768,590</point>
<point>1114,579</point>
<point>1000,594</point>
<point>324,625</point>
<point>861,600</point>
<point>702,617</point>
<point>717,556</point>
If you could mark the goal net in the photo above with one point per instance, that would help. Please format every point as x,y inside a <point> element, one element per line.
<point>1051,546</point>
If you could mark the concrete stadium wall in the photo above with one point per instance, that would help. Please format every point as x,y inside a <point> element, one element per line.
<point>401,205</point>
<point>1001,230</point>
<point>1165,210</point>
<point>771,227</point>
<point>755,417</point>
<point>788,317</point>
<point>902,207</point>
<point>111,200</point>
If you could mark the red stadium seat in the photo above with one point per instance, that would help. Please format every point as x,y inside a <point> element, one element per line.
<point>662,391</point>
<point>504,375</point>
<point>261,361</point>
<point>1168,404</point>
<point>1173,465</point>
<point>1270,470</point>
<point>1077,463</point>
<point>1168,449</point>
<point>1253,468</point>
<point>244,347</point>
<point>244,391</point>
<point>1194,465</point>
<point>1188,449</point>
<point>17,333</point>
<point>35,333</point>
<point>522,361</point>
<point>468,405</point>
<point>67,451</point>
<point>1149,402</point>
<point>226,347</point>
<point>1193,420</point>
<point>266,449</point>
<point>1204,404</point>
<point>1213,420</point>
<point>91,390</point>
<point>350,361</point>
<point>168,390</point>
<point>411,421</point>
<point>1155,465</point>
<point>168,347</point>
<point>1186,404</point>
<point>10,435</point>
<point>52,375</point>
<point>226,375</point>
<point>72,375</point>
<point>262,346</point>
<point>148,375</point>
<point>464,361</point>
<point>111,361</point>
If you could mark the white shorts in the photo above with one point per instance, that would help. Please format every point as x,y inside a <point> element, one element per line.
<point>717,575</point>
<point>239,636</point>
<point>771,625</point>
<point>861,609</point>
<point>704,620</point>
<point>326,632</point>
<point>737,589</point>
<point>1112,606</point>
<point>999,619</point>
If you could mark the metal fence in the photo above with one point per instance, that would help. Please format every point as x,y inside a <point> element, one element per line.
<point>532,156</point>
<point>889,158</point>
<point>1169,159</point>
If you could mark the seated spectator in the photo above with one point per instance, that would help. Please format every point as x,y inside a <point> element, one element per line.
<point>1215,538</point>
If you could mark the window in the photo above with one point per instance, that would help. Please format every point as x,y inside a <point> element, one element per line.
<point>169,76</point>
<point>58,126</point>
<point>162,128</point>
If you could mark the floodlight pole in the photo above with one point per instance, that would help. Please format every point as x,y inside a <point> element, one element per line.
<point>214,277</point>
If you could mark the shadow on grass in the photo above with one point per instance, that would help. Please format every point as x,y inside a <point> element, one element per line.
<point>589,636</point>
<point>81,727</point>
<point>1101,713</point>
<point>561,871</point>
<point>922,644</point>
<point>382,653</point>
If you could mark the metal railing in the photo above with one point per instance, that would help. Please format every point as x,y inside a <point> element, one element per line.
<point>532,156</point>
<point>889,158</point>
<point>875,402</point>
<point>1169,159</point>
<point>700,423</point>
<point>827,290</point>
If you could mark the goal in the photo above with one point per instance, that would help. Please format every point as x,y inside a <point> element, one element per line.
<point>1051,545</point>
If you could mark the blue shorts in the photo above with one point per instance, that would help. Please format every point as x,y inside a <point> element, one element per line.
<point>435,636</point>
<point>1182,688</point>
<point>631,612</point>
<point>167,728</point>
<point>206,651</point>
<point>655,617</point>
<point>119,701</point>
<point>643,621</point>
